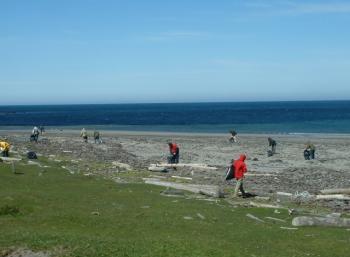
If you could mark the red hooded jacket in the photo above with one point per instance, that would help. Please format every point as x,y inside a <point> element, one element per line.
<point>173,148</point>
<point>240,167</point>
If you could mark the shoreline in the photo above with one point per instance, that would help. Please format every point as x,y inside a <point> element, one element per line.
<point>66,131</point>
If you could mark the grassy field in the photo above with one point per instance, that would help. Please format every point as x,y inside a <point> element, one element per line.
<point>75,215</point>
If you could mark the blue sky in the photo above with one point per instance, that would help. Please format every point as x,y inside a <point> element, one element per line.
<point>97,51</point>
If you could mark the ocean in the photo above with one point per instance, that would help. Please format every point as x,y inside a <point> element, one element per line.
<point>244,117</point>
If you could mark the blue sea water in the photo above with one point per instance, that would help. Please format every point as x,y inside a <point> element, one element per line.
<point>244,117</point>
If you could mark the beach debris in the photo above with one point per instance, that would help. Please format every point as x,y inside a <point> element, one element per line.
<point>321,221</point>
<point>179,165</point>
<point>288,228</point>
<point>275,219</point>
<point>173,192</point>
<point>334,215</point>
<point>200,216</point>
<point>262,198</point>
<point>10,159</point>
<point>277,212</point>
<point>251,216</point>
<point>262,205</point>
<point>157,169</point>
<point>284,197</point>
<point>188,218</point>
<point>21,252</point>
<point>66,168</point>
<point>195,188</point>
<point>333,197</point>
<point>345,191</point>
<point>217,194</point>
<point>260,175</point>
<point>96,213</point>
<point>121,165</point>
<point>304,196</point>
<point>185,178</point>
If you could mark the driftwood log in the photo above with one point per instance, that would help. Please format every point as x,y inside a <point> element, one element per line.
<point>10,159</point>
<point>208,190</point>
<point>333,197</point>
<point>262,205</point>
<point>336,191</point>
<point>179,165</point>
<point>321,221</point>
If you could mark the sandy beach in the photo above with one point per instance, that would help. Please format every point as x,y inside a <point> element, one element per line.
<point>286,171</point>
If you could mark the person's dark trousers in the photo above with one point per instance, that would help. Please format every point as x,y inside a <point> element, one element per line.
<point>241,189</point>
<point>176,158</point>
<point>171,159</point>
<point>312,154</point>
<point>273,149</point>
<point>5,154</point>
<point>307,154</point>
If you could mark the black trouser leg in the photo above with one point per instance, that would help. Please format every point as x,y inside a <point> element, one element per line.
<point>241,189</point>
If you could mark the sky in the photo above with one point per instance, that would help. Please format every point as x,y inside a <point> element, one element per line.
<point>104,51</point>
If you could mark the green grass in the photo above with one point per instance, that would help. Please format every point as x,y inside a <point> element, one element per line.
<point>57,212</point>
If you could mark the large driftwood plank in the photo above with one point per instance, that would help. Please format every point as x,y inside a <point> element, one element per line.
<point>195,188</point>
<point>179,165</point>
<point>336,191</point>
<point>333,197</point>
<point>321,221</point>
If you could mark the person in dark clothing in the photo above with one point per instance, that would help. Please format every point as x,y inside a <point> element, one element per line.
<point>174,153</point>
<point>233,138</point>
<point>273,144</point>
<point>97,137</point>
<point>42,129</point>
<point>309,152</point>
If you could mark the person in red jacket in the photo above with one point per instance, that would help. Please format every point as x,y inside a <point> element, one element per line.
<point>240,169</point>
<point>174,153</point>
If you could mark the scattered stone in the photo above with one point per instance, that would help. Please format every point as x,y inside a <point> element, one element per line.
<point>188,218</point>
<point>95,213</point>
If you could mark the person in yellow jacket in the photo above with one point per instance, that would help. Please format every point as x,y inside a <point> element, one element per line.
<point>5,148</point>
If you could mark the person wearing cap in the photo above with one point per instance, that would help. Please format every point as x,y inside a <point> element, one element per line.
<point>240,169</point>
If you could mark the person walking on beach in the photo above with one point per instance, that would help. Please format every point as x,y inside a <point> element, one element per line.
<point>174,153</point>
<point>309,152</point>
<point>35,134</point>
<point>84,135</point>
<point>233,137</point>
<point>240,169</point>
<point>42,129</point>
<point>4,148</point>
<point>97,137</point>
<point>273,144</point>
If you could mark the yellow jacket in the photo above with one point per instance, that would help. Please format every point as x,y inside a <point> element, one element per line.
<point>4,146</point>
